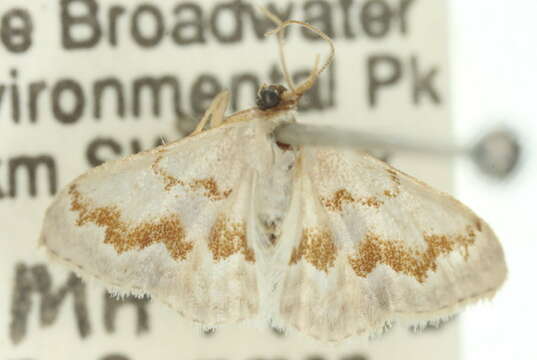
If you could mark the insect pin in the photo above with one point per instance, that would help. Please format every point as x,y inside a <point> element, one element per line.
<point>229,225</point>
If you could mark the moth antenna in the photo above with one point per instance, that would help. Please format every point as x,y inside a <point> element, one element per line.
<point>310,81</point>
<point>312,77</point>
<point>276,20</point>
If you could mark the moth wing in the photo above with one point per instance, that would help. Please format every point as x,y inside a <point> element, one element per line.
<point>174,222</point>
<point>371,245</point>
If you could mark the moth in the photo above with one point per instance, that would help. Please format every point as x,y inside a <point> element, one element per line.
<point>229,225</point>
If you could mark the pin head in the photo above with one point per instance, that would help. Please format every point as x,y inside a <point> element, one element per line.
<point>497,153</point>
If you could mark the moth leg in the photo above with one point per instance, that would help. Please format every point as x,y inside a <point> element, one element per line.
<point>222,101</point>
<point>215,112</point>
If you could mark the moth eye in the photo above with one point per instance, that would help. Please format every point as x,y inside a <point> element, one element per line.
<point>268,98</point>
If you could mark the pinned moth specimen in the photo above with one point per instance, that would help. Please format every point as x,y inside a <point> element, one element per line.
<point>228,225</point>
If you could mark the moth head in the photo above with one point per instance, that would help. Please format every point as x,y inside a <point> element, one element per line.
<point>276,97</point>
<point>269,96</point>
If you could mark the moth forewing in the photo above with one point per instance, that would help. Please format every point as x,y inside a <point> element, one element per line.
<point>169,222</point>
<point>379,248</point>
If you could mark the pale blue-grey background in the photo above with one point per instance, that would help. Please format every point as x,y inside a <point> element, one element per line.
<point>494,68</point>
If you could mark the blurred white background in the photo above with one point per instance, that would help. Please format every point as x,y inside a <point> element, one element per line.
<point>495,83</point>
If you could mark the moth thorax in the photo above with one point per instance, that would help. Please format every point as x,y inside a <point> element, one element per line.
<point>274,195</point>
